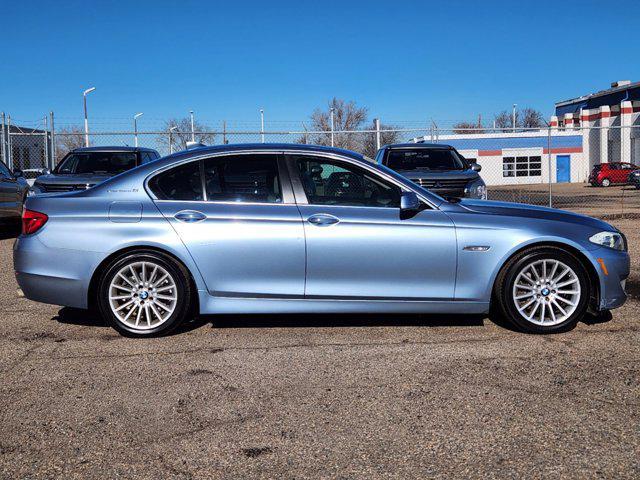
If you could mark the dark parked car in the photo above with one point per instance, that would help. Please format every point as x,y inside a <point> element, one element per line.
<point>605,174</point>
<point>436,167</point>
<point>83,168</point>
<point>13,190</point>
<point>634,178</point>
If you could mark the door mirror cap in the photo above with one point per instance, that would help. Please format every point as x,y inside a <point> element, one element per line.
<point>475,167</point>
<point>409,202</point>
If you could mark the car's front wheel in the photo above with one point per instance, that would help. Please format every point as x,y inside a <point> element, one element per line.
<point>543,290</point>
<point>605,182</point>
<point>144,293</point>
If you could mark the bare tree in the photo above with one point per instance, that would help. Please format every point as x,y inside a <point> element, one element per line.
<point>532,118</point>
<point>525,118</point>
<point>178,137</point>
<point>467,128</point>
<point>346,116</point>
<point>68,138</point>
<point>389,134</point>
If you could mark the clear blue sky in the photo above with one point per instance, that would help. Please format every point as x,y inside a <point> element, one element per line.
<point>409,61</point>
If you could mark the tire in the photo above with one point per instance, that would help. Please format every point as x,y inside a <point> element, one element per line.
<point>605,182</point>
<point>137,301</point>
<point>517,285</point>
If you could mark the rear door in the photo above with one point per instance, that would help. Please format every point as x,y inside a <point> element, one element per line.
<point>237,217</point>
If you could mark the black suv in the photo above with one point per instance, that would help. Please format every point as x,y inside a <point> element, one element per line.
<point>436,167</point>
<point>83,168</point>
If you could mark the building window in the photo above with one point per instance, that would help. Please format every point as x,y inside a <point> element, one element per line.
<point>522,166</point>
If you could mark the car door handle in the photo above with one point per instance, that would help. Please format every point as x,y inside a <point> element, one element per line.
<point>322,220</point>
<point>190,216</point>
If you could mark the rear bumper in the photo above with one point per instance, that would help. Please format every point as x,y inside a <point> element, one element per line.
<point>613,270</point>
<point>55,276</point>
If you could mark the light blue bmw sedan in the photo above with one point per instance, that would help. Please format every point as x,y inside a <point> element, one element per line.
<point>280,228</point>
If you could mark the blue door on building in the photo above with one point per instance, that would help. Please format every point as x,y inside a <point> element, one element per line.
<point>563,168</point>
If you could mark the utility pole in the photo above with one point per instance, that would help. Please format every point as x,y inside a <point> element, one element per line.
<point>86,120</point>
<point>224,132</point>
<point>513,116</point>
<point>332,125</point>
<point>262,125</point>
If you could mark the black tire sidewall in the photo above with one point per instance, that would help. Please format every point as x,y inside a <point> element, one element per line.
<point>182,285</point>
<point>508,304</point>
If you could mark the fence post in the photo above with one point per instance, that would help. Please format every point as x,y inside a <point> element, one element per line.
<point>52,158</point>
<point>9,159</point>
<point>549,165</point>
<point>46,142</point>
<point>3,146</point>
<point>377,121</point>
<point>332,125</point>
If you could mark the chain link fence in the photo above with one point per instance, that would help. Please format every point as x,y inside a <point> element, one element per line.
<point>552,166</point>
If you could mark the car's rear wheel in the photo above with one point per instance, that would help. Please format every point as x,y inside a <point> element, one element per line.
<point>605,182</point>
<point>144,293</point>
<point>543,290</point>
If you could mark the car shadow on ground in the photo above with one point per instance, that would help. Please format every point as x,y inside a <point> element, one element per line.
<point>8,231</point>
<point>73,316</point>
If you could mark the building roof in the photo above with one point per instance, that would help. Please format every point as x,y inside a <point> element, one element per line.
<point>610,96</point>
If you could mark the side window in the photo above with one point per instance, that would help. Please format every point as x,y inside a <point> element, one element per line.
<point>330,182</point>
<point>243,178</point>
<point>180,183</point>
<point>4,171</point>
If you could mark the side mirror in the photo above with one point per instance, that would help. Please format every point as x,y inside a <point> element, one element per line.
<point>409,202</point>
<point>45,171</point>
<point>475,167</point>
<point>18,173</point>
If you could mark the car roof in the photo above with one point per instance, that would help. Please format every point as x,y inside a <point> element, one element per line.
<point>265,146</point>
<point>113,149</point>
<point>418,145</point>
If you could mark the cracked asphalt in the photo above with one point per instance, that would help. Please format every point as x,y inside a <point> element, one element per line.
<point>318,396</point>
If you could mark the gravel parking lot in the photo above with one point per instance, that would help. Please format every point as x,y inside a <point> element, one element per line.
<point>318,396</point>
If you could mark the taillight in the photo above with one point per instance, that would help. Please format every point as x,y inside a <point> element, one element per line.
<point>32,221</point>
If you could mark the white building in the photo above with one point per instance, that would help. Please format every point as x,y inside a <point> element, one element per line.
<point>596,128</point>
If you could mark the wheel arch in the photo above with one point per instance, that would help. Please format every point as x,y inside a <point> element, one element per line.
<point>97,273</point>
<point>594,278</point>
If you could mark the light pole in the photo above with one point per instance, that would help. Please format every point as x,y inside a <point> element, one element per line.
<point>193,132</point>
<point>135,128</point>
<point>262,125</point>
<point>86,120</point>
<point>513,116</point>
<point>332,124</point>
<point>171,139</point>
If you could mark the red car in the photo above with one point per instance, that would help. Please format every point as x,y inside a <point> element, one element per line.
<point>605,174</point>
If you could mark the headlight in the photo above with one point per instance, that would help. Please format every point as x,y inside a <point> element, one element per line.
<point>476,189</point>
<point>612,240</point>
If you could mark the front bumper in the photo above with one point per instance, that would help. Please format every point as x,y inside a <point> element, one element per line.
<point>613,269</point>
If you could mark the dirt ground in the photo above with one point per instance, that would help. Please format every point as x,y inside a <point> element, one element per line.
<point>318,396</point>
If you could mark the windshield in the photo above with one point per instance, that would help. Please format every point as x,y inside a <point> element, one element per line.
<point>425,159</point>
<point>97,162</point>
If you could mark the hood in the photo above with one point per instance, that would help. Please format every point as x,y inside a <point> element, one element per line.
<point>417,173</point>
<point>73,179</point>
<point>532,211</point>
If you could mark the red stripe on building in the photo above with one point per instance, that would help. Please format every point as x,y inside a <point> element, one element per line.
<point>597,116</point>
<point>489,153</point>
<point>563,150</point>
<point>627,110</point>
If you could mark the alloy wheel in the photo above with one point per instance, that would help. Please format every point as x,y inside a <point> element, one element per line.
<point>546,292</point>
<point>143,295</point>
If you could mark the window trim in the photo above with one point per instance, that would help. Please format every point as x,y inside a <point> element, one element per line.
<point>283,175</point>
<point>301,196</point>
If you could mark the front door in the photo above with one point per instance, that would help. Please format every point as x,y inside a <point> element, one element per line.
<point>242,228</point>
<point>563,168</point>
<point>359,247</point>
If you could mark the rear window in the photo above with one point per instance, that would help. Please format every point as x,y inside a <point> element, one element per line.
<point>97,162</point>
<point>425,159</point>
<point>180,183</point>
